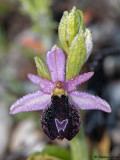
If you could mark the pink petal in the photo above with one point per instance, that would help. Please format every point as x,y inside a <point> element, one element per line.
<point>45,85</point>
<point>31,102</point>
<point>56,64</point>
<point>87,101</point>
<point>71,84</point>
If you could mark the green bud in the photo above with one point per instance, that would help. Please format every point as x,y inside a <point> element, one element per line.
<point>76,56</point>
<point>62,31</point>
<point>42,68</point>
<point>81,18</point>
<point>75,24</point>
<point>76,40</point>
<point>71,24</point>
<point>88,43</point>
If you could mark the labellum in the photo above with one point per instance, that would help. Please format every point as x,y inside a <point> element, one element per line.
<point>60,119</point>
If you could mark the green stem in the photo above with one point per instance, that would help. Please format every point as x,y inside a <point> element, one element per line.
<point>78,145</point>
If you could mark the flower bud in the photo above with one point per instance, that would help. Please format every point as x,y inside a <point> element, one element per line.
<point>76,41</point>
<point>71,24</point>
<point>88,43</point>
<point>76,56</point>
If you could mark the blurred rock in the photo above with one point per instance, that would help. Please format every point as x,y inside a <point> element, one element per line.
<point>5,127</point>
<point>111,66</point>
<point>17,156</point>
<point>103,32</point>
<point>112,93</point>
<point>116,136</point>
<point>118,116</point>
<point>115,154</point>
<point>18,66</point>
<point>114,6</point>
<point>26,138</point>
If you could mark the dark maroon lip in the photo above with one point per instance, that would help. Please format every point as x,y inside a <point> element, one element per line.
<point>60,119</point>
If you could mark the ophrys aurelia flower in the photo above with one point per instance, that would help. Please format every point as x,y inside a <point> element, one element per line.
<point>59,99</point>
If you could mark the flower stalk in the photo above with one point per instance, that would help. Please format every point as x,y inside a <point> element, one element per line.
<point>78,146</point>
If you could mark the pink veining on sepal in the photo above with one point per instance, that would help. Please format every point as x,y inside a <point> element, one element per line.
<point>31,102</point>
<point>45,85</point>
<point>71,84</point>
<point>87,101</point>
<point>56,64</point>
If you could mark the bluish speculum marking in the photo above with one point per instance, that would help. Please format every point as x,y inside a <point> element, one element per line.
<point>61,125</point>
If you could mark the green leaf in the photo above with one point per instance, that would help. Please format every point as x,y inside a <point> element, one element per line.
<point>76,56</point>
<point>43,157</point>
<point>62,31</point>
<point>57,152</point>
<point>42,68</point>
<point>52,150</point>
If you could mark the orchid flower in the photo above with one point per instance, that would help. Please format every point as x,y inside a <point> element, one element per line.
<point>59,99</point>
